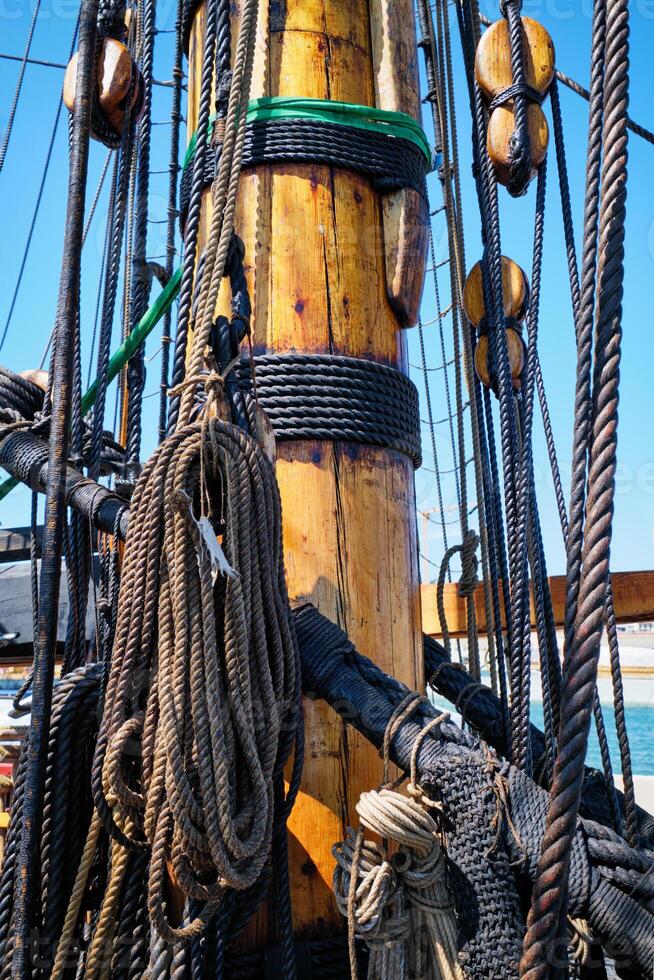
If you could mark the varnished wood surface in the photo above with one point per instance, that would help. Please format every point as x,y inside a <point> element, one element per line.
<point>316,265</point>
<point>405,212</point>
<point>514,292</point>
<point>493,57</point>
<point>501,126</point>
<point>633,597</point>
<point>516,353</point>
<point>114,78</point>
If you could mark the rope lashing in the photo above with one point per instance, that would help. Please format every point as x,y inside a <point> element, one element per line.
<point>483,711</point>
<point>390,162</point>
<point>389,147</point>
<point>402,905</point>
<point>329,397</point>
<point>453,768</point>
<point>179,773</point>
<point>369,119</point>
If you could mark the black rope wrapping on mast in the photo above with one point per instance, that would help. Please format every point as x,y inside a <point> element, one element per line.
<point>390,162</point>
<point>62,371</point>
<point>329,397</point>
<point>582,655</point>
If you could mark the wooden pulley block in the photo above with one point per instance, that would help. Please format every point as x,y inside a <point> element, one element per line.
<point>120,86</point>
<point>516,352</point>
<point>515,292</point>
<point>501,126</point>
<point>493,69</point>
<point>494,75</point>
<point>37,377</point>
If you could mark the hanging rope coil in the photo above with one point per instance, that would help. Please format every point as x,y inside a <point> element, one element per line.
<point>401,905</point>
<point>185,762</point>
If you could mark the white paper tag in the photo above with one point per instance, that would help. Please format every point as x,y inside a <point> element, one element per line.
<point>219,562</point>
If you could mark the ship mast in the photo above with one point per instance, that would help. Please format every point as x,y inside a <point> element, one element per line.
<point>333,269</point>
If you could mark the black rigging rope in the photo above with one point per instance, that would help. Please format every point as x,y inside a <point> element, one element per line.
<point>55,499</point>
<point>37,206</point>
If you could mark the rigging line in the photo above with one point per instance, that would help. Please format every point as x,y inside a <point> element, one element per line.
<point>448,418</point>
<point>37,206</point>
<point>430,370</point>
<point>42,63</point>
<point>449,472</point>
<point>19,86</point>
<point>94,205</point>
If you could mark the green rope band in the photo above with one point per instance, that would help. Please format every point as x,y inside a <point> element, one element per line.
<point>396,124</point>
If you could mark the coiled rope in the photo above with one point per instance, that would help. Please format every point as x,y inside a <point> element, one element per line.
<point>390,162</point>
<point>320,396</point>
<point>210,624</point>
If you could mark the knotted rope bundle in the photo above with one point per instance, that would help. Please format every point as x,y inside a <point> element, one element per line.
<point>200,705</point>
<point>400,906</point>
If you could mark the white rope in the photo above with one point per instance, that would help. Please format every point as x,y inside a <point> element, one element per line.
<point>400,906</point>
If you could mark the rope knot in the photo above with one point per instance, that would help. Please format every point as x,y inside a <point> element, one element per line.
<point>394,904</point>
<point>469,564</point>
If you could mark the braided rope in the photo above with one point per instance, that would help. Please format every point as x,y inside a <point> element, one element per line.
<point>192,225</point>
<point>236,646</point>
<point>330,397</point>
<point>580,667</point>
<point>223,196</point>
<point>390,162</point>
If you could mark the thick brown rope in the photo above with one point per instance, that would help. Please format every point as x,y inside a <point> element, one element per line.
<point>203,676</point>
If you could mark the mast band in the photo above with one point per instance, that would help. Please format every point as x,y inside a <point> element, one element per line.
<point>335,399</point>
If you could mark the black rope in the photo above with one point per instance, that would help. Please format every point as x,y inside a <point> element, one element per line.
<point>389,161</point>
<point>333,398</point>
<point>19,85</point>
<point>141,277</point>
<point>37,205</point>
<point>55,499</point>
<point>173,170</point>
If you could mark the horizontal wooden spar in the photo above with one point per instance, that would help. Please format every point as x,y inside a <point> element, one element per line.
<point>633,598</point>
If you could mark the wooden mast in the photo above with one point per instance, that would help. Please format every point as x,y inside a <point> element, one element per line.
<point>317,269</point>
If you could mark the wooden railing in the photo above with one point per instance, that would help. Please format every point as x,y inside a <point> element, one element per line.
<point>633,598</point>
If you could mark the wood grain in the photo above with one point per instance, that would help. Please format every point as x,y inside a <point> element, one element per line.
<point>405,213</point>
<point>514,292</point>
<point>633,598</point>
<point>316,267</point>
<point>493,58</point>
<point>501,127</point>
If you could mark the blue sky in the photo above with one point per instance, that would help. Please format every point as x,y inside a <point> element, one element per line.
<point>569,23</point>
